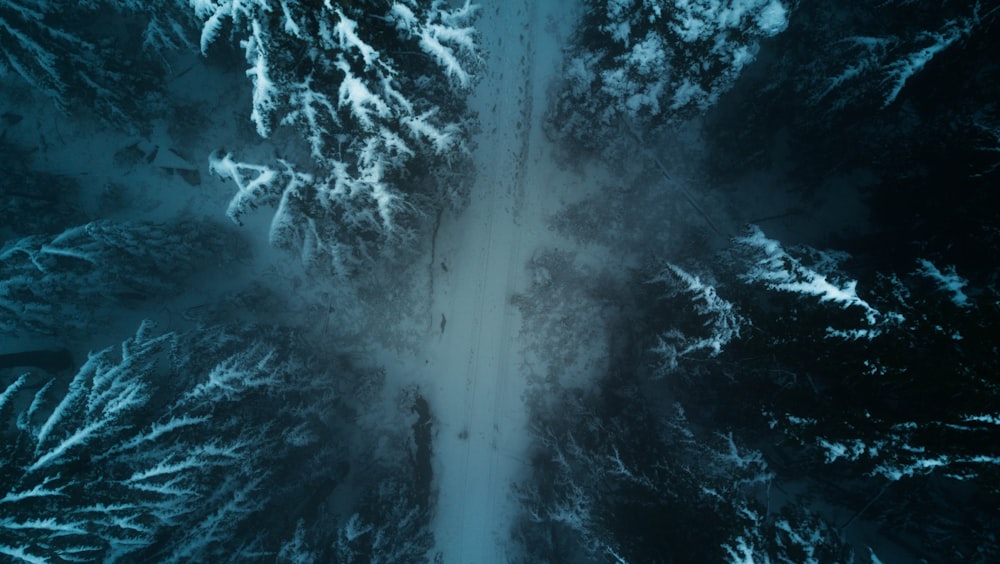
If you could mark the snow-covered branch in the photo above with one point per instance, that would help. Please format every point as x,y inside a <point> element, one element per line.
<point>777,270</point>
<point>652,61</point>
<point>64,282</point>
<point>97,470</point>
<point>948,281</point>
<point>865,65</point>
<point>723,321</point>
<point>359,97</point>
<point>902,69</point>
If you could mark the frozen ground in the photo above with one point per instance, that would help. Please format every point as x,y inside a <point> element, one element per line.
<point>470,363</point>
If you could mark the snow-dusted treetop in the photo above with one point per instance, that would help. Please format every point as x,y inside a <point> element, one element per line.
<point>723,322</point>
<point>778,270</point>
<point>152,451</point>
<point>638,60</point>
<point>373,91</point>
<point>865,60</point>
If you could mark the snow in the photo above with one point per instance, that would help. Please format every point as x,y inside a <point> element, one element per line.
<point>79,437</point>
<point>445,57</point>
<point>290,26</point>
<point>724,322</point>
<point>807,544</point>
<point>247,190</point>
<point>906,67</point>
<point>442,140</point>
<point>472,370</point>
<point>991,419</point>
<point>313,108</point>
<point>404,16</point>
<point>264,90</point>
<point>362,101</point>
<point>835,451</point>
<point>699,19</point>
<point>773,18</point>
<point>480,385</point>
<point>21,554</point>
<point>687,91</point>
<point>347,38</point>
<point>780,271</point>
<point>947,281</point>
<point>743,553</point>
<point>646,56</point>
<point>213,22</point>
<point>918,466</point>
<point>11,389</point>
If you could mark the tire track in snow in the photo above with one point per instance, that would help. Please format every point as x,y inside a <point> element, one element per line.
<point>474,472</point>
<point>515,262</point>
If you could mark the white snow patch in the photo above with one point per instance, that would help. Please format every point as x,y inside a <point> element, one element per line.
<point>947,281</point>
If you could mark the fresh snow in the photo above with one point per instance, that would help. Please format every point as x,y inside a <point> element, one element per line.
<point>947,281</point>
<point>470,363</point>
<point>473,359</point>
<point>779,271</point>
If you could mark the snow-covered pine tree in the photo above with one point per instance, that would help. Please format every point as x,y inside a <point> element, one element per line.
<point>706,309</point>
<point>52,45</point>
<point>895,350</point>
<point>372,91</point>
<point>870,52</point>
<point>883,386</point>
<point>390,525</point>
<point>390,520</point>
<point>882,87</point>
<point>68,283</point>
<point>164,449</point>
<point>637,63</point>
<point>621,479</point>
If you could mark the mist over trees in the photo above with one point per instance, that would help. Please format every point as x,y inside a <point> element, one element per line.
<point>374,92</point>
<point>67,283</point>
<point>226,435</point>
<point>634,64</point>
<point>740,375</point>
<point>861,374</point>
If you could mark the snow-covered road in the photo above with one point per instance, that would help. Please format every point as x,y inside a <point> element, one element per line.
<point>481,254</point>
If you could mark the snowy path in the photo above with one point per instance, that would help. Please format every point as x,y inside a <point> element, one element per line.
<point>474,353</point>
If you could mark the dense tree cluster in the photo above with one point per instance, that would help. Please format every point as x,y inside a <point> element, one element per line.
<point>158,448</point>
<point>902,93</point>
<point>865,379</point>
<point>722,406</point>
<point>78,68</point>
<point>229,436</point>
<point>68,283</point>
<point>623,476</point>
<point>869,383</point>
<point>768,365</point>
<point>370,95</point>
<point>217,443</point>
<point>371,91</point>
<point>640,64</point>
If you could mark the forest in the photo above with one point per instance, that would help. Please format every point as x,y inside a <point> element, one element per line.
<point>452,281</point>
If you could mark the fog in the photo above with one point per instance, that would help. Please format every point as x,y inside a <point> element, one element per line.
<point>599,281</point>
